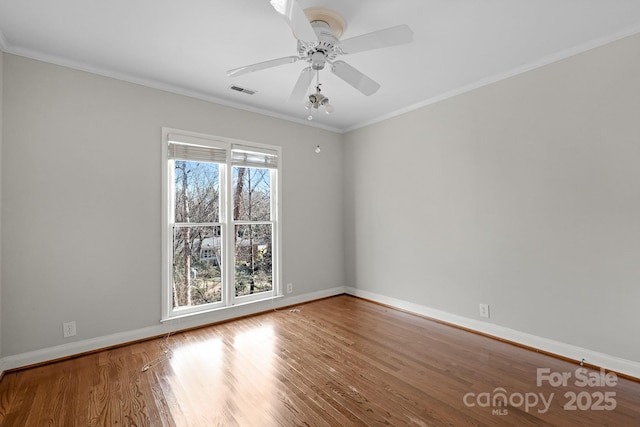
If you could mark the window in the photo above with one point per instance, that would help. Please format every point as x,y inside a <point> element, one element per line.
<point>220,224</point>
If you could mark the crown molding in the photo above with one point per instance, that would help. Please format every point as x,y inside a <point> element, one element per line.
<point>153,84</point>
<point>539,63</point>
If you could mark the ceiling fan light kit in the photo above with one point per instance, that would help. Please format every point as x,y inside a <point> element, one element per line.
<point>317,100</point>
<point>318,32</point>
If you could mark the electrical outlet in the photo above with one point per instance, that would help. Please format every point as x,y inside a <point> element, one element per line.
<point>69,329</point>
<point>484,310</point>
<point>289,288</point>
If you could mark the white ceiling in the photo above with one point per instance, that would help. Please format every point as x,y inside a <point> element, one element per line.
<point>186,46</point>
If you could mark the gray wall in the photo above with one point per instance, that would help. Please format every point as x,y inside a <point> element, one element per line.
<point>523,195</point>
<point>81,203</point>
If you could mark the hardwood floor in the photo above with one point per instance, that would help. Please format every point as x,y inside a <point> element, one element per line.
<point>340,361</point>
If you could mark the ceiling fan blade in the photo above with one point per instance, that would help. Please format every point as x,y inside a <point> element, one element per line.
<point>261,66</point>
<point>296,19</point>
<point>354,77</point>
<point>392,36</point>
<point>303,83</point>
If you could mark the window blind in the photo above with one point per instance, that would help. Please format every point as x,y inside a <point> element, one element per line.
<point>254,157</point>
<point>183,147</point>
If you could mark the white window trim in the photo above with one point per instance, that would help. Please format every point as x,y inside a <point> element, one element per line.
<point>229,299</point>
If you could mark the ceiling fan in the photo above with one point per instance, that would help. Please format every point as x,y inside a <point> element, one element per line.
<point>318,33</point>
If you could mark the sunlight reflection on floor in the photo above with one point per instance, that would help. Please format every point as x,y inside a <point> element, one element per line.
<point>232,374</point>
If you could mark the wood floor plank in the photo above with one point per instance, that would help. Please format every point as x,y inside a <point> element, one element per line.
<point>340,361</point>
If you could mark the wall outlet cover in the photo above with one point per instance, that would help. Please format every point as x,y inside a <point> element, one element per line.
<point>484,310</point>
<point>69,329</point>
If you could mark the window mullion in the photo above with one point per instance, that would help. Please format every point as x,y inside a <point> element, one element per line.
<point>246,222</point>
<point>197,224</point>
<point>229,262</point>
<point>275,230</point>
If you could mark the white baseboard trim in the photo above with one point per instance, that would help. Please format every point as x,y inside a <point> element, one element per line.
<point>622,366</point>
<point>2,367</point>
<point>594,358</point>
<point>78,347</point>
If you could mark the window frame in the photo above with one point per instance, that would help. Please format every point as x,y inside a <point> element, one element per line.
<point>226,222</point>
<point>239,222</point>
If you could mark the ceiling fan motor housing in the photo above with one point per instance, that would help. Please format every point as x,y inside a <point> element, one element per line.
<point>318,60</point>
<point>320,51</point>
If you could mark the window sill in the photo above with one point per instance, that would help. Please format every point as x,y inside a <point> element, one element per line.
<point>228,312</point>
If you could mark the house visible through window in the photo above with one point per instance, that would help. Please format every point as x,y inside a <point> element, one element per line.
<point>220,223</point>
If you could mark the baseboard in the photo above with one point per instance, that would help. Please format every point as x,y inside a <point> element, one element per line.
<point>2,369</point>
<point>624,367</point>
<point>50,354</point>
